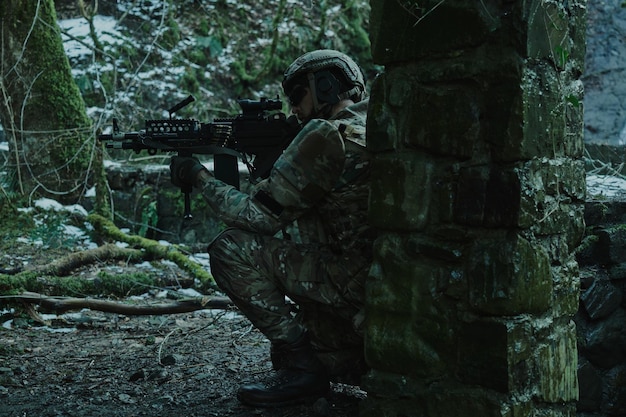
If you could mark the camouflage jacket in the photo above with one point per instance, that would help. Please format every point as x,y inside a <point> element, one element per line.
<point>320,183</point>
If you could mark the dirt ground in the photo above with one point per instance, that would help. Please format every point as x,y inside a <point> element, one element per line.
<point>92,363</point>
<point>95,364</point>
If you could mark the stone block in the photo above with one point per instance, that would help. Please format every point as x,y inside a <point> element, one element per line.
<point>494,354</point>
<point>509,276</point>
<point>574,118</point>
<point>457,129</point>
<point>602,342</point>
<point>616,272</point>
<point>547,31</point>
<point>590,387</point>
<point>404,31</point>
<point>391,206</point>
<point>533,131</point>
<point>123,177</point>
<point>394,344</point>
<point>397,92</point>
<point>587,253</point>
<point>388,384</point>
<point>469,117</point>
<point>566,288</point>
<point>599,212</point>
<point>543,195</point>
<point>438,399</point>
<point>382,133</point>
<point>576,11</point>
<point>556,176</point>
<point>450,402</point>
<point>557,365</point>
<point>552,218</point>
<point>487,196</point>
<point>601,299</point>
<point>612,243</point>
<point>614,401</point>
<point>552,198</point>
<point>410,323</point>
<point>557,246</point>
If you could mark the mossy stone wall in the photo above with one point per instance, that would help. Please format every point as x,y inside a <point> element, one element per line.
<point>478,190</point>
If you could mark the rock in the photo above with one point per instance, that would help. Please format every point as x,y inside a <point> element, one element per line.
<point>590,387</point>
<point>321,407</point>
<point>601,299</point>
<point>170,360</point>
<point>140,374</point>
<point>604,340</point>
<point>157,375</point>
<point>615,398</point>
<point>126,399</point>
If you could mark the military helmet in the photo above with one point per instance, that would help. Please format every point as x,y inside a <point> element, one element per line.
<point>332,75</point>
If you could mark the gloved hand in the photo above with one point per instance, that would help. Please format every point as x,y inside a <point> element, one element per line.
<point>184,171</point>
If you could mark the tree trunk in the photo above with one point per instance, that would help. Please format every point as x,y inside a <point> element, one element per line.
<point>41,108</point>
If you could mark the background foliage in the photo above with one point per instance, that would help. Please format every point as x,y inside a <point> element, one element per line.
<point>151,54</point>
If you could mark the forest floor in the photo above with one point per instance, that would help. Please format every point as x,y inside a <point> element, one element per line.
<point>92,363</point>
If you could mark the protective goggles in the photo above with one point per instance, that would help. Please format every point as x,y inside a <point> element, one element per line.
<point>296,95</point>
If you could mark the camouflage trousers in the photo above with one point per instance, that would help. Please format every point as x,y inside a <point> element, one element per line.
<point>257,272</point>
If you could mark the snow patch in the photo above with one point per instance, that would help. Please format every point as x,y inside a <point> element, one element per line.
<point>607,186</point>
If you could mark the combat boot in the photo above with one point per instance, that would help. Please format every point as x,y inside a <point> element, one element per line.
<point>277,355</point>
<point>301,376</point>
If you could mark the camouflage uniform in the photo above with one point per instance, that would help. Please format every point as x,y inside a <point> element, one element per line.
<point>320,184</point>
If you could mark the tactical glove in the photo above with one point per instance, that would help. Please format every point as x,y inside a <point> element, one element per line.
<point>184,171</point>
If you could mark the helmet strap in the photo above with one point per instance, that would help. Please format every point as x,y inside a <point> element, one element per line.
<point>347,94</point>
<point>316,104</point>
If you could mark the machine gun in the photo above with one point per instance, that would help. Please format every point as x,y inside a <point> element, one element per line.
<point>257,136</point>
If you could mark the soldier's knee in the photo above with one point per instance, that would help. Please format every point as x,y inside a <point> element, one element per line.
<point>220,246</point>
<point>221,251</point>
<point>226,254</point>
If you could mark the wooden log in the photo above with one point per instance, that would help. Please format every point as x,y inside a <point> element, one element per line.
<point>61,305</point>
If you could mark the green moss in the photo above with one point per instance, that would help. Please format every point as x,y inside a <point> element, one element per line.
<point>171,36</point>
<point>13,224</point>
<point>51,99</point>
<point>189,82</point>
<point>118,284</point>
<point>58,93</point>
<point>106,228</point>
<point>203,27</point>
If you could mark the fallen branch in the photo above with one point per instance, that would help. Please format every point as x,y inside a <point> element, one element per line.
<point>63,304</point>
<point>109,284</point>
<point>153,249</point>
<point>54,279</point>
<point>62,267</point>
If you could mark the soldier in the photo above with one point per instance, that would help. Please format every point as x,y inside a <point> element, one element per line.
<point>320,184</point>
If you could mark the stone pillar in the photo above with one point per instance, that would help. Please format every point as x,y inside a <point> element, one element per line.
<point>478,190</point>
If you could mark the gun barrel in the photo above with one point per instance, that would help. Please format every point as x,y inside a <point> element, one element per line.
<point>129,140</point>
<point>119,137</point>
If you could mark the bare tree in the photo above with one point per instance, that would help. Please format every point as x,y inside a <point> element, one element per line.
<point>50,135</point>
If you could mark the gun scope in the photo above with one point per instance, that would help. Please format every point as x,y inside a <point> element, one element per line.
<point>256,106</point>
